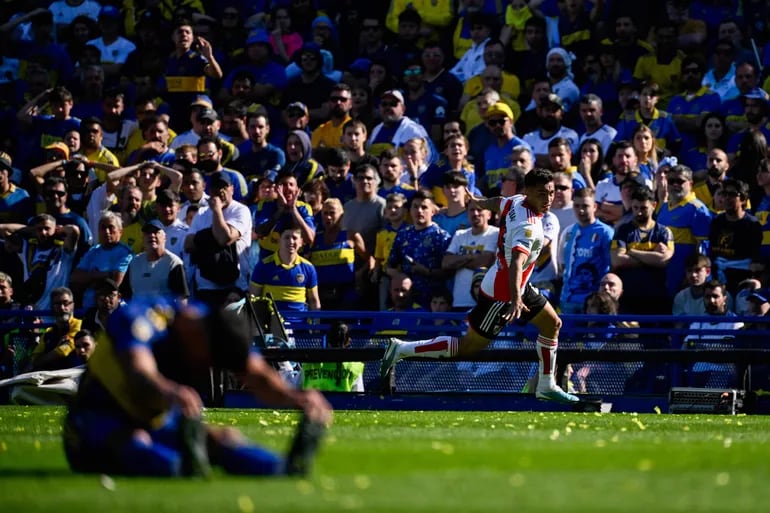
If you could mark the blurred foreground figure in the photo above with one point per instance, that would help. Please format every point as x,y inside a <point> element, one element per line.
<point>137,413</point>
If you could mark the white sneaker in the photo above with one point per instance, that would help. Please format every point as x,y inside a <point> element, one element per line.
<point>390,358</point>
<point>556,394</point>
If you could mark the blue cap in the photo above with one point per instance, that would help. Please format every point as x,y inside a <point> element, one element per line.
<point>220,179</point>
<point>258,36</point>
<point>109,11</point>
<point>760,295</point>
<point>152,226</point>
<point>202,100</point>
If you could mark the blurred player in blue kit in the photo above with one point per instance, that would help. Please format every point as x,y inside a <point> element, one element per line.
<point>136,411</point>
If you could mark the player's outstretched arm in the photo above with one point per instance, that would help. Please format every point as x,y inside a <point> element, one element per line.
<point>492,203</point>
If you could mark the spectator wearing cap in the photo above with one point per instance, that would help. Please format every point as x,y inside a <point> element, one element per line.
<point>47,128</point>
<point>186,70</point>
<point>311,85</point>
<point>230,223</point>
<point>206,123</point>
<point>210,162</point>
<point>156,271</point>
<point>550,115</point>
<point>756,108</point>
<point>93,149</point>
<point>295,116</point>
<point>471,62</point>
<point>108,300</point>
<point>167,211</point>
<point>759,303</point>
<point>396,128</point>
<point>559,68</point>
<point>113,47</point>
<point>269,76</point>
<point>329,134</point>
<point>497,157</point>
<point>16,206</point>
<point>257,156</point>
<point>689,106</point>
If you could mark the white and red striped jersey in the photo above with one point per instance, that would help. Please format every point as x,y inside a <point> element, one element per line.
<point>521,230</point>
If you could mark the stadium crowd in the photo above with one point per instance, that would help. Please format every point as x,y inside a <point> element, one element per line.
<point>325,152</point>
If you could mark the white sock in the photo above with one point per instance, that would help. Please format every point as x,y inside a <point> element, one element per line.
<point>439,347</point>
<point>546,355</point>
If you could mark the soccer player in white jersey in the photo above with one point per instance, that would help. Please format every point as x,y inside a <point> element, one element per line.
<point>506,294</point>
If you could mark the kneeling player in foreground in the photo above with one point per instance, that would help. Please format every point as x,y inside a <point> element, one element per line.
<point>506,294</point>
<point>136,412</point>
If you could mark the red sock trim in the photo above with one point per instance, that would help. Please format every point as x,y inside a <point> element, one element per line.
<point>545,341</point>
<point>545,354</point>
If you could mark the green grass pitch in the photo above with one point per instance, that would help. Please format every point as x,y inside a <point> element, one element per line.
<point>428,462</point>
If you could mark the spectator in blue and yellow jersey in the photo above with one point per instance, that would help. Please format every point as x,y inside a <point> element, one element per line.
<point>15,204</point>
<point>391,171</point>
<point>334,253</point>
<point>575,22</point>
<point>271,216</point>
<point>455,159</point>
<point>716,173</point>
<point>661,123</point>
<point>47,128</point>
<point>395,221</point>
<point>665,65</point>
<point>470,11</point>
<point>497,157</point>
<point>56,349</point>
<point>688,219</point>
<point>688,107</point>
<point>186,70</point>
<point>436,15</point>
<point>762,213</point>
<point>257,157</point>
<point>289,278</point>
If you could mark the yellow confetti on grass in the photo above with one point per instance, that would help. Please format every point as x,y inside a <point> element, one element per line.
<point>3,447</point>
<point>722,479</point>
<point>442,447</point>
<point>305,487</point>
<point>644,465</point>
<point>362,482</point>
<point>37,445</point>
<point>657,410</point>
<point>245,504</point>
<point>517,480</point>
<point>554,435</point>
<point>727,443</point>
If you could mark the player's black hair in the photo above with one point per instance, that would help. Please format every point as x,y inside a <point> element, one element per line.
<point>538,176</point>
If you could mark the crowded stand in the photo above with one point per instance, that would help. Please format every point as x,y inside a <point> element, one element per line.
<point>329,153</point>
